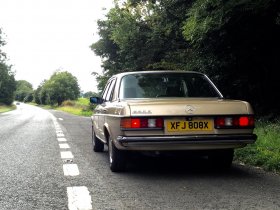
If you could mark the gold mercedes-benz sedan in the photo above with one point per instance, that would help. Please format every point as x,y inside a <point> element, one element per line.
<point>160,111</point>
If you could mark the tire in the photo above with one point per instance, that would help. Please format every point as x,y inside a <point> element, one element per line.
<point>116,157</point>
<point>221,159</point>
<point>97,145</point>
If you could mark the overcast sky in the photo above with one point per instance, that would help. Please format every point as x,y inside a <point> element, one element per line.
<point>46,35</point>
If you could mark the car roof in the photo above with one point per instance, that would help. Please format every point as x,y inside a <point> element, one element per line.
<point>156,71</point>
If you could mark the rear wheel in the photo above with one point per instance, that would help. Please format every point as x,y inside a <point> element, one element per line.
<point>116,157</point>
<point>221,159</point>
<point>97,145</point>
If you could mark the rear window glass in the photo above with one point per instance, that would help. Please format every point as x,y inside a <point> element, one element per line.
<point>152,85</point>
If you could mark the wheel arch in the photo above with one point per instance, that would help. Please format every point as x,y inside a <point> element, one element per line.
<point>107,132</point>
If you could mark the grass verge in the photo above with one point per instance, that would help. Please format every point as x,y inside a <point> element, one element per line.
<point>5,108</point>
<point>265,152</point>
<point>80,107</point>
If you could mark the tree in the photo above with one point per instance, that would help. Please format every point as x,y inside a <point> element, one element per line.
<point>24,91</point>
<point>2,43</point>
<point>235,42</point>
<point>142,35</point>
<point>89,94</point>
<point>60,87</point>
<point>7,84</point>
<point>7,78</point>
<point>36,95</point>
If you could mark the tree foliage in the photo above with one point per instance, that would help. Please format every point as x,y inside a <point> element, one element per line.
<point>24,91</point>
<point>7,84</point>
<point>2,43</point>
<point>39,94</point>
<point>7,77</point>
<point>235,42</point>
<point>238,40</point>
<point>139,36</point>
<point>89,94</point>
<point>61,86</point>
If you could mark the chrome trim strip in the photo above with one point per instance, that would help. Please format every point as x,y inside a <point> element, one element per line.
<point>206,139</point>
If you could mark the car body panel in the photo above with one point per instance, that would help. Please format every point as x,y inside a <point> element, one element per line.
<point>179,106</point>
<point>108,114</point>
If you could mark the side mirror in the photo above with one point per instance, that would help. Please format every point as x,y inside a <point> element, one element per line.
<point>95,100</point>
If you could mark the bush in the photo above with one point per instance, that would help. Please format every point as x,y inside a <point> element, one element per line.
<point>266,151</point>
<point>68,103</point>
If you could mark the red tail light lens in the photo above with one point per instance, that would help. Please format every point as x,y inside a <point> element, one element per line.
<point>141,123</point>
<point>135,123</point>
<point>246,121</point>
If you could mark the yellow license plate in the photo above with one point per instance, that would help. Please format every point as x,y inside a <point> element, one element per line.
<point>194,125</point>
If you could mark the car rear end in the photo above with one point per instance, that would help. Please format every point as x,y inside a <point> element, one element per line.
<point>171,111</point>
<point>185,124</point>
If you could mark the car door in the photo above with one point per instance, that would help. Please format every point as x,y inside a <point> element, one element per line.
<point>98,112</point>
<point>102,110</point>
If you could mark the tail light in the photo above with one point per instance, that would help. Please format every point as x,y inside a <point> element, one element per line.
<point>141,123</point>
<point>246,121</point>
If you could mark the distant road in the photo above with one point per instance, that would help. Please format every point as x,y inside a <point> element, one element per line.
<point>47,163</point>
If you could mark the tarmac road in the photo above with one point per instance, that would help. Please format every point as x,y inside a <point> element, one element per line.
<point>47,162</point>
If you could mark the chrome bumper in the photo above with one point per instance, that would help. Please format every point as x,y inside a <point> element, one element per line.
<point>185,142</point>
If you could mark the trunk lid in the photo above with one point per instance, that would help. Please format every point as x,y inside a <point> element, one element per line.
<point>187,107</point>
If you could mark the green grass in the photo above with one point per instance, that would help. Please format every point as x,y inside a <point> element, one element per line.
<point>75,110</point>
<point>265,152</point>
<point>5,108</point>
<point>83,101</point>
<point>79,107</point>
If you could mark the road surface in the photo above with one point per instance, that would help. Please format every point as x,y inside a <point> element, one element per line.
<point>47,162</point>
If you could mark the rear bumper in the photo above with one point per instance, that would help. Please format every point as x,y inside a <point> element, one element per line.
<point>184,142</point>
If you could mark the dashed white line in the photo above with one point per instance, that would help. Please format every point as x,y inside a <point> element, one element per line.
<point>71,170</point>
<point>61,139</point>
<point>79,198</point>
<point>64,146</point>
<point>66,155</point>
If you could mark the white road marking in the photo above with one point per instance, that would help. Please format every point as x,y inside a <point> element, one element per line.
<point>79,198</point>
<point>64,146</point>
<point>71,170</point>
<point>66,155</point>
<point>61,139</point>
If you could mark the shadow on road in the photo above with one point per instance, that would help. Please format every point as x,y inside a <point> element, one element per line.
<point>181,164</point>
